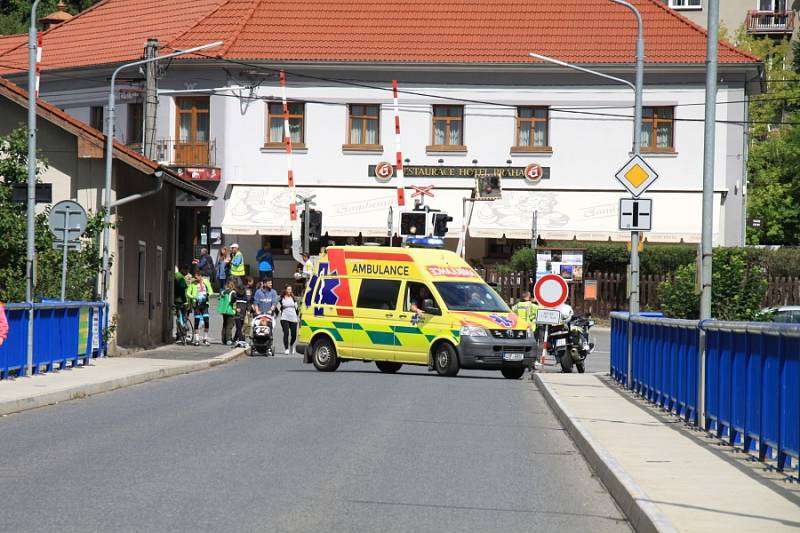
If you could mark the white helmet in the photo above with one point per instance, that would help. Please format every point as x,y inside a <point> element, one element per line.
<point>566,312</point>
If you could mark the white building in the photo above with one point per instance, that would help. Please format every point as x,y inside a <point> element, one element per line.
<point>470,97</point>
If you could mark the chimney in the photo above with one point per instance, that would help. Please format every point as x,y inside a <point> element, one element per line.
<point>57,17</point>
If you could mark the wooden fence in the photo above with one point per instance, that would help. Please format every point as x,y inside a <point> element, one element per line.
<point>612,289</point>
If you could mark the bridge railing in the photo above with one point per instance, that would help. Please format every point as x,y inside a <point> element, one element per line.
<point>750,394</point>
<point>64,334</point>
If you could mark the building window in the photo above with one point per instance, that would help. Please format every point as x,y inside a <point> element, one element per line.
<point>193,130</point>
<point>364,126</point>
<point>96,117</point>
<point>120,260</point>
<point>658,129</point>
<point>685,4</point>
<point>448,127</point>
<point>135,123</point>
<point>141,266</point>
<point>532,128</point>
<point>159,275</point>
<point>296,124</point>
<point>378,294</point>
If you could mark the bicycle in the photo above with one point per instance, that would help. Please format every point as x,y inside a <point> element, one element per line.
<point>184,328</point>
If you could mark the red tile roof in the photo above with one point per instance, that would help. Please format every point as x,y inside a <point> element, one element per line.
<point>131,157</point>
<point>7,42</point>
<point>430,31</point>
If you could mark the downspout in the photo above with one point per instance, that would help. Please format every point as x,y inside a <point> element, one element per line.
<point>132,198</point>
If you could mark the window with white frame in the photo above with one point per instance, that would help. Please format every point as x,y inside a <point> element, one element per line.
<point>141,265</point>
<point>685,4</point>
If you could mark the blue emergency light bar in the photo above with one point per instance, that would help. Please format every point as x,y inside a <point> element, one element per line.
<point>425,242</point>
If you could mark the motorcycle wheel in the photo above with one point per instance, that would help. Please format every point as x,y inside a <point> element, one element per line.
<point>581,368</point>
<point>566,363</point>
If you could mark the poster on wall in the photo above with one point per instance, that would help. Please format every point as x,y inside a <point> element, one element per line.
<point>566,263</point>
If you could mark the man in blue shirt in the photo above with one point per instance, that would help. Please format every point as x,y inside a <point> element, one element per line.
<point>266,298</point>
<point>264,258</point>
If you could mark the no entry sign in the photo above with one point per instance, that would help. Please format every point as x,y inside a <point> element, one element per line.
<point>551,290</point>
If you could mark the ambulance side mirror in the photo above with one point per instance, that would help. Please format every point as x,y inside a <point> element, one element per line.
<point>430,307</point>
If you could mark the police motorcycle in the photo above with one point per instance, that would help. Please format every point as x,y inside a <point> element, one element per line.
<point>569,342</point>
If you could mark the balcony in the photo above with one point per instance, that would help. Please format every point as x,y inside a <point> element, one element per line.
<point>770,22</point>
<point>186,154</point>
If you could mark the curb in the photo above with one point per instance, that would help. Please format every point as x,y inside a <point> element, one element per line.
<point>643,515</point>
<point>83,391</point>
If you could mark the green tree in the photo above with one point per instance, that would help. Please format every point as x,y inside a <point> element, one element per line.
<point>15,14</point>
<point>738,286</point>
<point>83,266</point>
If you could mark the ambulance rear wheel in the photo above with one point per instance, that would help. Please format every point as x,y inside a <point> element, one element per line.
<point>512,373</point>
<point>388,367</point>
<point>445,360</point>
<point>324,356</point>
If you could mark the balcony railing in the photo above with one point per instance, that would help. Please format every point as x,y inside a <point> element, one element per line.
<point>770,22</point>
<point>190,154</point>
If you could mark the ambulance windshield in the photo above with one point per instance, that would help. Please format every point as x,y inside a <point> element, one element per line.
<point>470,296</point>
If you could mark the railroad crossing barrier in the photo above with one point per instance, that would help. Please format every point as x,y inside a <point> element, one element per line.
<point>751,391</point>
<point>65,334</point>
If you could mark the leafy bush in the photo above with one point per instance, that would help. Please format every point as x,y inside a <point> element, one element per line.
<point>522,260</point>
<point>738,284</point>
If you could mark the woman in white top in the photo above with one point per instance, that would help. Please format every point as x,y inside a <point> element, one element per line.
<point>289,319</point>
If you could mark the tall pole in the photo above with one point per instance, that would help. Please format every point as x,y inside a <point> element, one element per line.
<point>31,222</point>
<point>306,225</point>
<point>150,98</point>
<point>708,197</point>
<point>110,152</point>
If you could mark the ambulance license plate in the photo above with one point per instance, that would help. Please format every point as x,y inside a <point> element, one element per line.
<point>513,356</point>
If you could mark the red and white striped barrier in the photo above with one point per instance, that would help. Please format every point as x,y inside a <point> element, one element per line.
<point>401,191</point>
<point>38,61</point>
<point>287,139</point>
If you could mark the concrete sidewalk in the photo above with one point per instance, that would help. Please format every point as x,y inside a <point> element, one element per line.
<point>107,374</point>
<point>665,476</point>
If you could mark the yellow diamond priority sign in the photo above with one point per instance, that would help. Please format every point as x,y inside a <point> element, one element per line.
<point>636,175</point>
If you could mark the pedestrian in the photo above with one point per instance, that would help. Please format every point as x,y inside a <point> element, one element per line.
<point>266,298</point>
<point>199,293</point>
<point>205,264</point>
<point>526,309</point>
<point>180,288</point>
<point>3,324</point>
<point>308,267</point>
<point>237,264</point>
<point>223,267</point>
<point>242,305</point>
<point>227,308</point>
<point>250,292</point>
<point>265,261</point>
<point>289,319</point>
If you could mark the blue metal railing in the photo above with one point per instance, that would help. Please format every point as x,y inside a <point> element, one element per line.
<point>64,334</point>
<point>751,392</point>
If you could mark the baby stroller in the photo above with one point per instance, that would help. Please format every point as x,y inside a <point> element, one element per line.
<point>262,336</point>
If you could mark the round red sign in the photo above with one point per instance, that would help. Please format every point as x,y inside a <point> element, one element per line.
<point>384,171</point>
<point>533,173</point>
<point>551,290</point>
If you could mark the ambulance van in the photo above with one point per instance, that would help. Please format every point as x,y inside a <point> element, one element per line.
<point>411,306</point>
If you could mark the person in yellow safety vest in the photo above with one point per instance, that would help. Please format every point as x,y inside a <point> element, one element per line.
<point>526,308</point>
<point>237,264</point>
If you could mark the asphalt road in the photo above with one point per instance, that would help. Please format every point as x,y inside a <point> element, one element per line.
<point>269,444</point>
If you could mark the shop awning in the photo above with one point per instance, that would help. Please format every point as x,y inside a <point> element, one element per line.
<point>586,215</point>
<point>257,209</point>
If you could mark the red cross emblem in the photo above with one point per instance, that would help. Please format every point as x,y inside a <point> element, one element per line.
<point>422,191</point>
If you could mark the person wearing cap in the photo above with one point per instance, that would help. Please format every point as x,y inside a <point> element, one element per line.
<point>237,264</point>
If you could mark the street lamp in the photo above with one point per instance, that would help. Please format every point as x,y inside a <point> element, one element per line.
<point>31,215</point>
<point>107,205</point>
<point>638,88</point>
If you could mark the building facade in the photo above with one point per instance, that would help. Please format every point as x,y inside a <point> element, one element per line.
<point>774,18</point>
<point>467,105</point>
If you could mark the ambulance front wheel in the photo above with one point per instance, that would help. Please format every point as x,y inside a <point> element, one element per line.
<point>445,359</point>
<point>324,356</point>
<point>512,373</point>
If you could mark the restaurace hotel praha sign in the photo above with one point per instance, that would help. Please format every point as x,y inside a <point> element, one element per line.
<point>435,171</point>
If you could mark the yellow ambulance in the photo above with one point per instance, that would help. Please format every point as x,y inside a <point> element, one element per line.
<point>413,306</point>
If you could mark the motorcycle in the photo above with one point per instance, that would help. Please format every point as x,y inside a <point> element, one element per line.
<point>570,343</point>
<point>261,340</point>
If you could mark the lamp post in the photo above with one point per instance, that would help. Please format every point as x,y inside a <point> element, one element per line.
<point>31,214</point>
<point>107,205</point>
<point>638,88</point>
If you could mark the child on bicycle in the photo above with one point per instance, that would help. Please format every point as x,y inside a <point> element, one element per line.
<point>199,293</point>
